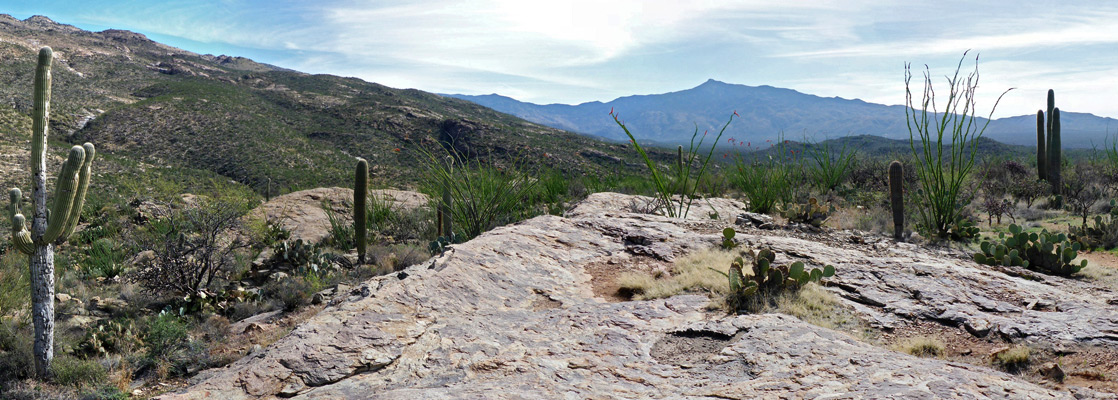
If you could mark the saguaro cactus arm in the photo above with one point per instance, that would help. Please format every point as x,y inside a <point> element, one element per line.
<point>83,187</point>
<point>21,237</point>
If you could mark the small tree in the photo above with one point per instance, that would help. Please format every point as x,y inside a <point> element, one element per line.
<point>192,245</point>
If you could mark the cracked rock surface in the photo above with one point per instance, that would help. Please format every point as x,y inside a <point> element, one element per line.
<point>512,314</point>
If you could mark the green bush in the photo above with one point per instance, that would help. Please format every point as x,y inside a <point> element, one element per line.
<point>482,195</point>
<point>767,184</point>
<point>16,361</point>
<point>166,335</point>
<point>77,372</point>
<point>15,286</point>
<point>103,258</point>
<point>828,169</point>
<point>291,293</point>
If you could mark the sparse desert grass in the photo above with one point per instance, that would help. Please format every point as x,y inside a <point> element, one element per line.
<point>922,346</point>
<point>692,272</point>
<point>1013,359</point>
<point>1101,268</point>
<point>696,272</point>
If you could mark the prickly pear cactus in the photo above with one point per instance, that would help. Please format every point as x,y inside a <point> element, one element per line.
<point>728,238</point>
<point>1044,252</point>
<point>811,213</point>
<point>768,279</point>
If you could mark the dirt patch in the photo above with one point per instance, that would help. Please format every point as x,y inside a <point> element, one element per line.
<point>689,348</point>
<point>1091,367</point>
<point>543,302</point>
<point>604,275</point>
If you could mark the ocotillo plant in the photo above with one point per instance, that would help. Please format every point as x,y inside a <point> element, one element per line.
<point>360,208</point>
<point>896,197</point>
<point>48,227</point>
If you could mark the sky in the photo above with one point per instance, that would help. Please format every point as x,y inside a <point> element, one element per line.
<point>578,51</point>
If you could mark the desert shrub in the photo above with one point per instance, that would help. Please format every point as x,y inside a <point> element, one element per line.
<point>676,191</point>
<point>77,372</point>
<point>342,235</point>
<point>1028,189</point>
<point>1081,190</point>
<point>943,164</point>
<point>15,286</point>
<point>103,258</point>
<point>995,207</point>
<point>189,246</point>
<point>766,184</point>
<point>290,293</point>
<point>829,168</point>
<point>482,195</point>
<point>16,360</point>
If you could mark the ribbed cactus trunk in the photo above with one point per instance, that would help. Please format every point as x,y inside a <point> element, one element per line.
<point>42,259</point>
<point>896,197</point>
<point>360,208</point>
<point>1054,148</point>
<point>1041,147</point>
<point>47,229</point>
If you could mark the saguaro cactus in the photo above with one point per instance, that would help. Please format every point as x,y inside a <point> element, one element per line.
<point>360,194</point>
<point>1041,147</point>
<point>896,197</point>
<point>48,227</point>
<point>1048,144</point>
<point>1054,148</point>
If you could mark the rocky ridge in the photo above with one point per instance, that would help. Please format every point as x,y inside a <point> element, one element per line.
<point>512,314</point>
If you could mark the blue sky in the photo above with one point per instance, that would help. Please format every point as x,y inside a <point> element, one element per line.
<point>577,51</point>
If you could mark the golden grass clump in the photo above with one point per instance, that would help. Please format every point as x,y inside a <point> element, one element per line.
<point>922,346</point>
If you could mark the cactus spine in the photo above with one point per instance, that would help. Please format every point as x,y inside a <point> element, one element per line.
<point>1041,147</point>
<point>360,208</point>
<point>896,197</point>
<point>48,227</point>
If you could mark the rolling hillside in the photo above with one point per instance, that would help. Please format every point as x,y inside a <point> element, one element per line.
<point>252,122</point>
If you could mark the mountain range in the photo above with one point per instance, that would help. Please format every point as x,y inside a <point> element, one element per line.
<point>766,111</point>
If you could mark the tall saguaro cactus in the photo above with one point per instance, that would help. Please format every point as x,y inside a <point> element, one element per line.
<point>1041,147</point>
<point>48,227</point>
<point>360,194</point>
<point>1048,143</point>
<point>896,197</point>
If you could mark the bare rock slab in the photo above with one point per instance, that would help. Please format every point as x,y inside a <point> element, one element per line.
<point>512,315</point>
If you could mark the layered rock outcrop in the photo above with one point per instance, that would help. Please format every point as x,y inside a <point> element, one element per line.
<point>513,314</point>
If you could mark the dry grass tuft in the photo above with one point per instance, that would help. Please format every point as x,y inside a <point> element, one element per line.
<point>690,273</point>
<point>922,346</point>
<point>1012,359</point>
